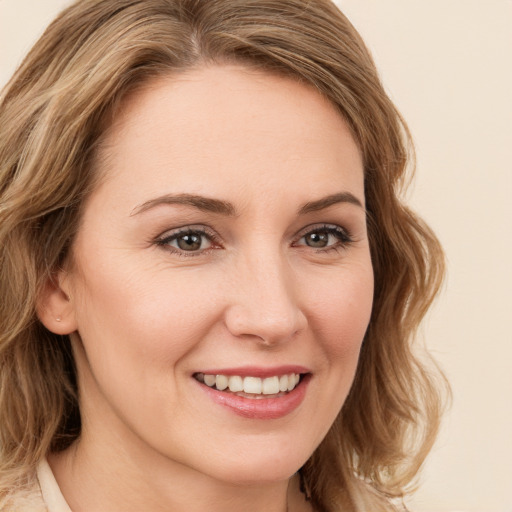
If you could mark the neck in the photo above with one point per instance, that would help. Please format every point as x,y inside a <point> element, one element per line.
<point>91,477</point>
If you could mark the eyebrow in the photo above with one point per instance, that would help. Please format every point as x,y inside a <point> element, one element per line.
<point>205,204</point>
<point>221,207</point>
<point>325,202</point>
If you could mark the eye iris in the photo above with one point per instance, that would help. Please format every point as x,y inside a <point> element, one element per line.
<point>317,239</point>
<point>190,242</point>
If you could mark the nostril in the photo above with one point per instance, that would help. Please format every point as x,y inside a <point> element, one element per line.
<point>266,325</point>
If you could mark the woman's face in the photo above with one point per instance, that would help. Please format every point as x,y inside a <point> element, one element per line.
<point>225,246</point>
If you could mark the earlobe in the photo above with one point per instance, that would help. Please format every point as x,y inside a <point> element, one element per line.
<point>55,308</point>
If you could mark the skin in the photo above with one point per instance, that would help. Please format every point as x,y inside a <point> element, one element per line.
<point>144,315</point>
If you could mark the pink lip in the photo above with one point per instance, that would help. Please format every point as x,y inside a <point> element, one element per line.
<point>259,408</point>
<point>257,371</point>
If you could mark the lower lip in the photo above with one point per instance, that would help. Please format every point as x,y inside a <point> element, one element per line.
<point>260,408</point>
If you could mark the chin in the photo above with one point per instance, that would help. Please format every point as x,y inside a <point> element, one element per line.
<point>252,475</point>
<point>260,468</point>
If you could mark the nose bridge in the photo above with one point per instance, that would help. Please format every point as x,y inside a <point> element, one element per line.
<point>266,304</point>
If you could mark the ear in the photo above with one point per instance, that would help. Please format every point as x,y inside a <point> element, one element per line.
<point>55,307</point>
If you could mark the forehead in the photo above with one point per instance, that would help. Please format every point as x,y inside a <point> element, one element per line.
<point>214,127</point>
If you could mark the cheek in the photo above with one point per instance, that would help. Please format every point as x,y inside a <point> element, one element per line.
<point>342,313</point>
<point>145,314</point>
<point>339,316</point>
<point>135,329</point>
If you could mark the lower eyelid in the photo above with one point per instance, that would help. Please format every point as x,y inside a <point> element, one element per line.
<point>172,234</point>
<point>210,239</point>
<point>341,234</point>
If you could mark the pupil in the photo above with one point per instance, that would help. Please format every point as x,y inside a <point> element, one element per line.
<point>189,242</point>
<point>317,239</point>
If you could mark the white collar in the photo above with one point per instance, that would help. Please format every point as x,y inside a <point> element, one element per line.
<point>50,490</point>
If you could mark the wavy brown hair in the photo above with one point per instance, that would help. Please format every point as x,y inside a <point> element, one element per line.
<point>53,114</point>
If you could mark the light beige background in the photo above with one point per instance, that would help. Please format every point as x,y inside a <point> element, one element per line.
<point>448,66</point>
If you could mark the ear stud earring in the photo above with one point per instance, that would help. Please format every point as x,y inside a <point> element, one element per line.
<point>58,319</point>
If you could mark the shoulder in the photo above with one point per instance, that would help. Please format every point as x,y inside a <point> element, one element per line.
<point>39,493</point>
<point>367,497</point>
<point>25,499</point>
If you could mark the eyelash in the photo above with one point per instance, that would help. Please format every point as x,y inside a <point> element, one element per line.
<point>200,231</point>
<point>343,236</point>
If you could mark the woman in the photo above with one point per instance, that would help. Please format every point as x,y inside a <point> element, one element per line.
<point>210,285</point>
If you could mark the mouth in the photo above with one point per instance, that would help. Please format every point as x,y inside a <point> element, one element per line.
<point>252,387</point>
<point>256,393</point>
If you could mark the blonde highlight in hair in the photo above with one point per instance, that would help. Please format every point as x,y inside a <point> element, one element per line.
<point>53,115</point>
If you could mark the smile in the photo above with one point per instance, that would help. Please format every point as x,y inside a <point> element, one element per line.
<point>250,386</point>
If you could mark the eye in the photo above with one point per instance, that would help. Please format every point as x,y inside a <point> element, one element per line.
<point>318,239</point>
<point>325,237</point>
<point>191,241</point>
<point>187,240</point>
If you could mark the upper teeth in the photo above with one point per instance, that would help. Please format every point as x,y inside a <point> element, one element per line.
<point>252,385</point>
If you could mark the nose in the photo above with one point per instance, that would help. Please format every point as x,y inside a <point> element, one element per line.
<point>265,304</point>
